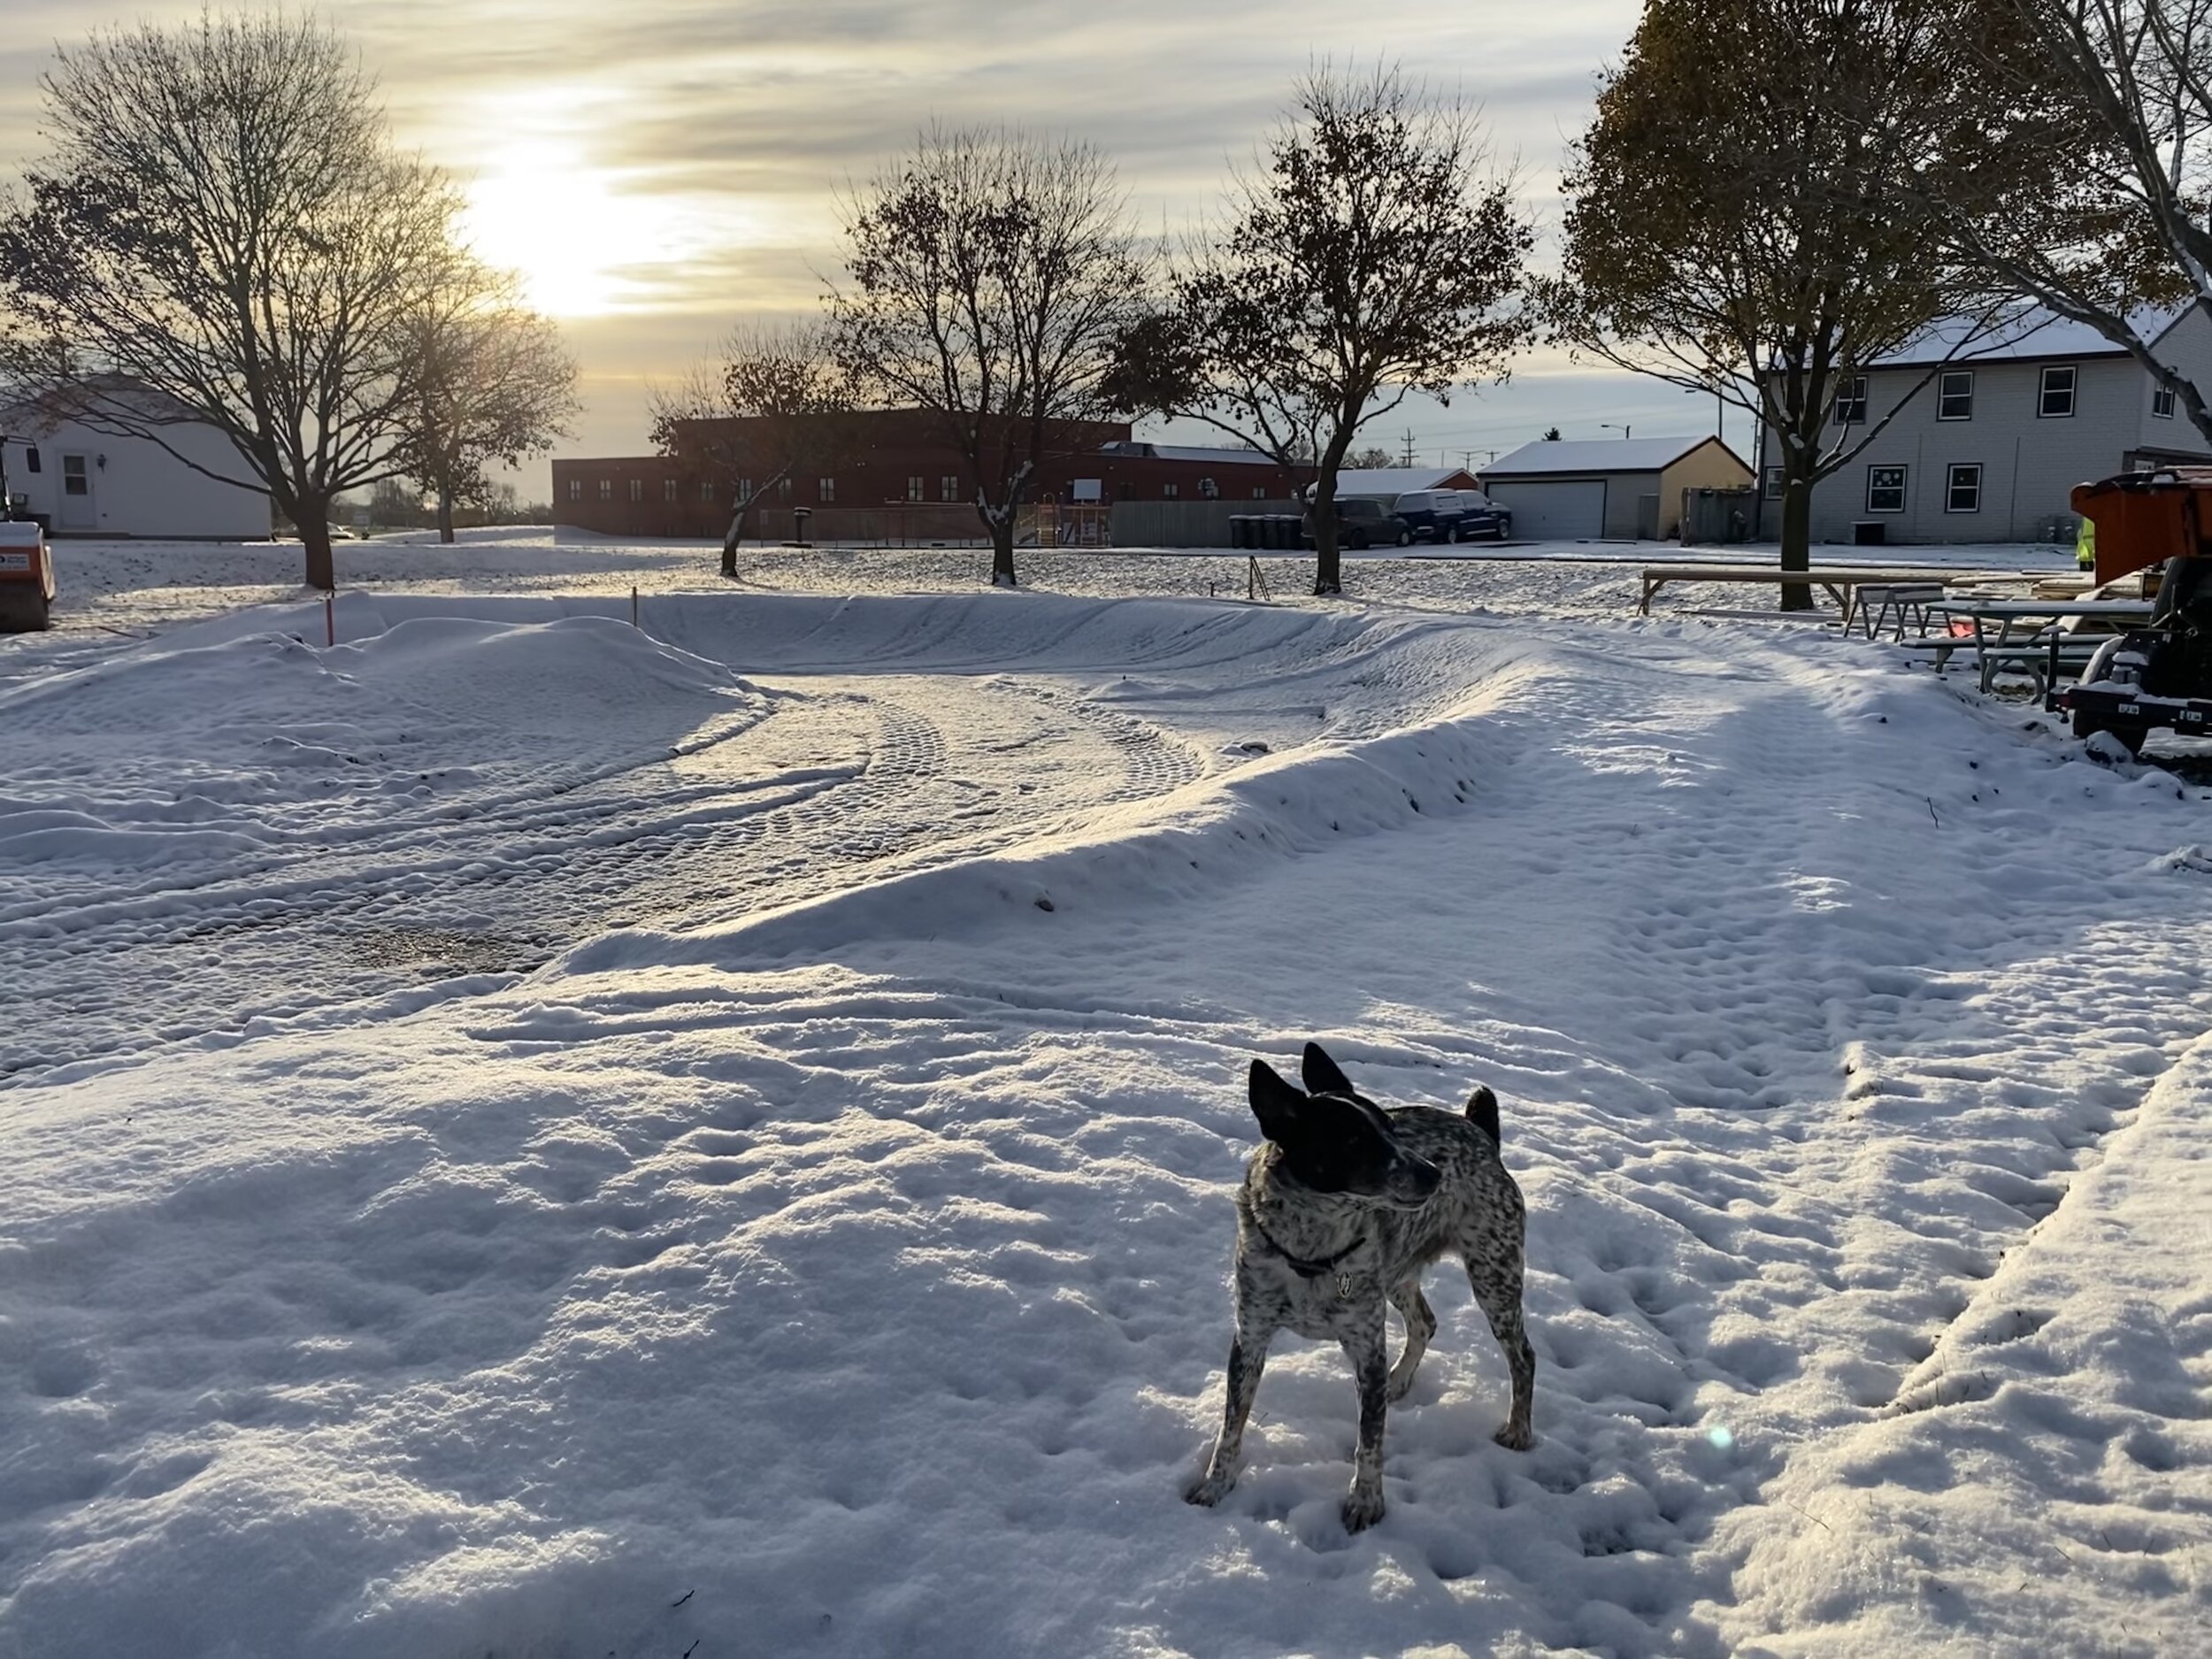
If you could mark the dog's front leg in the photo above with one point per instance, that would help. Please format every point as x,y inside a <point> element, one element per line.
<point>1364,1347</point>
<point>1247,1357</point>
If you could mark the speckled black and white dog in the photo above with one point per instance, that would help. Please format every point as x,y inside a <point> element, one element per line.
<point>1344,1206</point>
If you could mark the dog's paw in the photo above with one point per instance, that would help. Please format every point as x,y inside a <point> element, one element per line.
<point>1515,1437</point>
<point>1362,1509</point>
<point>1209,1489</point>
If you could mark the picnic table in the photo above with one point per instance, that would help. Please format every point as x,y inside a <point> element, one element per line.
<point>2034,633</point>
<point>1841,582</point>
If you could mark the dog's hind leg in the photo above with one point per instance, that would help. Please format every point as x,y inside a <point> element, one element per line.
<point>1420,1320</point>
<point>1247,1358</point>
<point>1499,1291</point>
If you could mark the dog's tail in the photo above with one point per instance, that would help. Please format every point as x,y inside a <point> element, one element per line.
<point>1482,1111</point>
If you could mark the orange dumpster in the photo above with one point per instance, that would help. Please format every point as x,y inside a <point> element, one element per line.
<point>27,578</point>
<point>2142,518</point>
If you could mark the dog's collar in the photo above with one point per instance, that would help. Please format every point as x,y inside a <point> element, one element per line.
<point>1298,1263</point>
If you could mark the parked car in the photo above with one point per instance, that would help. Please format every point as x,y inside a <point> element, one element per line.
<point>1450,515</point>
<point>1480,517</point>
<point>1361,523</point>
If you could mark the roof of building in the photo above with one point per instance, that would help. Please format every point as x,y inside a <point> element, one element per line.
<point>1392,480</point>
<point>2027,337</point>
<point>1140,448</point>
<point>1549,457</point>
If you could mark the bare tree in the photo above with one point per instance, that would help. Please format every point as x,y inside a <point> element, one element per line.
<point>221,232</point>
<point>489,382</point>
<point>1744,216</point>
<point>778,401</point>
<point>989,276</point>
<point>2089,187</point>
<point>1372,254</point>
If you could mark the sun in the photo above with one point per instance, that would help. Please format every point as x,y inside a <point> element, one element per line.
<point>584,244</point>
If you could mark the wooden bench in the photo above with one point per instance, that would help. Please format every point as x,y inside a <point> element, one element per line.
<point>1839,582</point>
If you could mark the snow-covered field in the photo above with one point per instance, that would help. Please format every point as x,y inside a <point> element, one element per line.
<point>529,1136</point>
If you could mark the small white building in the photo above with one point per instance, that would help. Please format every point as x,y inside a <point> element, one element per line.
<point>84,482</point>
<point>1618,489</point>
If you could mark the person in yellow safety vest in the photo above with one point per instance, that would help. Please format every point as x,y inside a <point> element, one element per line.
<point>2086,545</point>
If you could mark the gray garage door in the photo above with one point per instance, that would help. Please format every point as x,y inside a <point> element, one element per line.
<point>1551,510</point>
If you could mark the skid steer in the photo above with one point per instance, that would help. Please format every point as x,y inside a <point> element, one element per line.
<point>2158,676</point>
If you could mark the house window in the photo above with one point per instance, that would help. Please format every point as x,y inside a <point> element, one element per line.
<point>73,479</point>
<point>1169,492</point>
<point>1851,400</point>
<point>706,489</point>
<point>606,489</point>
<point>1954,395</point>
<point>668,490</point>
<point>30,456</point>
<point>783,490</point>
<point>1774,483</point>
<point>1886,489</point>
<point>1259,493</point>
<point>913,489</point>
<point>2162,406</point>
<point>2057,396</point>
<point>637,489</point>
<point>829,488</point>
<point>575,489</point>
<point>1962,487</point>
<point>948,488</point>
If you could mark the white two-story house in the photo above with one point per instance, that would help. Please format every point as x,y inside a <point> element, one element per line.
<point>1988,446</point>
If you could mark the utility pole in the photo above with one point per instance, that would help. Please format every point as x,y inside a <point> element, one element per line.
<point>1407,454</point>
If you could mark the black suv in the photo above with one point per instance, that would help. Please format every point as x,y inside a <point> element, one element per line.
<point>1360,524</point>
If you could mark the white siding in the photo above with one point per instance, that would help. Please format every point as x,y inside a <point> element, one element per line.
<point>134,486</point>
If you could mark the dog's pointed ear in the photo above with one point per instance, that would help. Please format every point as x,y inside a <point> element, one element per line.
<point>1322,1074</point>
<point>1274,1102</point>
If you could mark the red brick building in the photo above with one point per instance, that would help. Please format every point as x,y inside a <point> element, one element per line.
<point>894,477</point>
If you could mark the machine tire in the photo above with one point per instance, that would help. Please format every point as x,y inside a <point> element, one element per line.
<point>2131,736</point>
<point>1405,538</point>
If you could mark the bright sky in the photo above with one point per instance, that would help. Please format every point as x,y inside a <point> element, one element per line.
<point>659,170</point>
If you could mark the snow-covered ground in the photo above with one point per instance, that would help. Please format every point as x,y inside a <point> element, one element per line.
<point>532,1136</point>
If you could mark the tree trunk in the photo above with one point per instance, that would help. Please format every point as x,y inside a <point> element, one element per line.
<point>1002,549</point>
<point>311,515</point>
<point>445,517</point>
<point>734,534</point>
<point>1797,540</point>
<point>1328,569</point>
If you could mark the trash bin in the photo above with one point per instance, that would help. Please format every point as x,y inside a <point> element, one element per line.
<point>1869,532</point>
<point>2134,520</point>
<point>1239,529</point>
<point>799,516</point>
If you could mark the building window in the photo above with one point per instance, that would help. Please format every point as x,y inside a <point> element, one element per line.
<point>1169,492</point>
<point>1774,483</point>
<point>1954,395</point>
<point>2162,406</point>
<point>1851,400</point>
<point>606,489</point>
<point>668,490</point>
<point>1962,487</point>
<point>948,486</point>
<point>783,490</point>
<point>575,489</point>
<point>74,481</point>
<point>829,489</point>
<point>1886,489</point>
<point>2057,395</point>
<point>637,489</point>
<point>1259,493</point>
<point>914,488</point>
<point>706,489</point>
